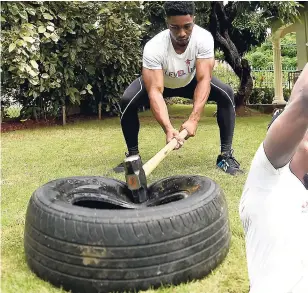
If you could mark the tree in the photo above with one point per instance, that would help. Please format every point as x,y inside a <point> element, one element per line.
<point>237,27</point>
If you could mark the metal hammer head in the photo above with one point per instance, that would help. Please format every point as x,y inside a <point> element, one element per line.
<point>135,178</point>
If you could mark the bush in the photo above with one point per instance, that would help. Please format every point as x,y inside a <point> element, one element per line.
<point>224,72</point>
<point>266,95</point>
<point>59,53</point>
<point>178,100</point>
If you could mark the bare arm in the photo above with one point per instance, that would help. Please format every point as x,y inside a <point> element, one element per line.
<point>154,83</point>
<point>299,164</point>
<point>289,128</point>
<point>204,68</point>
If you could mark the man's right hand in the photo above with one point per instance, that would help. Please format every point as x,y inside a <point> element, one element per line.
<point>173,133</point>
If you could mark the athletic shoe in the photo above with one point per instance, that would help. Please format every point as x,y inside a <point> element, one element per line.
<point>228,163</point>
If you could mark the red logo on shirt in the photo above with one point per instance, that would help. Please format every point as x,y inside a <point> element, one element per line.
<point>181,72</point>
<point>188,62</point>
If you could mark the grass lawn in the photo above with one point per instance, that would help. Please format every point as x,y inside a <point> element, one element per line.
<point>31,158</point>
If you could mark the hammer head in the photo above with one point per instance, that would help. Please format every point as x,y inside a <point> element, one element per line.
<point>135,178</point>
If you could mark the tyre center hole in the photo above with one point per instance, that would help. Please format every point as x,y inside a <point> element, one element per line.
<point>95,203</point>
<point>168,198</point>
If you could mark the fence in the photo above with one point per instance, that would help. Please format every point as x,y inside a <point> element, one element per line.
<point>293,76</point>
<point>265,78</point>
<point>261,78</point>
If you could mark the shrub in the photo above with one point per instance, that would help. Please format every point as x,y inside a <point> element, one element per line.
<point>178,100</point>
<point>57,53</point>
<point>266,95</point>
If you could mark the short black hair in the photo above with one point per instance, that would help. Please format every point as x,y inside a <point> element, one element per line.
<point>174,8</point>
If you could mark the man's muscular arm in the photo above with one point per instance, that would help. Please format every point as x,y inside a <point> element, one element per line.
<point>290,127</point>
<point>154,83</point>
<point>204,68</point>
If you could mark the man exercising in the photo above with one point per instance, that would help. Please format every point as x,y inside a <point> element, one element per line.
<point>179,62</point>
<point>274,203</point>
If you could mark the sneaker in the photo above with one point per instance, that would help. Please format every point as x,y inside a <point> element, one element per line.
<point>228,163</point>
<point>120,168</point>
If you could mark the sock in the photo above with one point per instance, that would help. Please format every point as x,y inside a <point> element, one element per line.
<point>225,148</point>
<point>133,151</point>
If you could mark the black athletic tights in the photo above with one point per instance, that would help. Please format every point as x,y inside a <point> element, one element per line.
<point>135,96</point>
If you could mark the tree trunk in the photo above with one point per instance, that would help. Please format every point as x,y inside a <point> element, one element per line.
<point>244,89</point>
<point>63,115</point>
<point>100,111</point>
<point>219,26</point>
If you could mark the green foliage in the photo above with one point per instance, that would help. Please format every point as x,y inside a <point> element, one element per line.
<point>266,95</point>
<point>251,19</point>
<point>154,18</point>
<point>85,52</point>
<point>57,53</point>
<point>219,55</point>
<point>225,73</point>
<point>260,60</point>
<point>262,57</point>
<point>178,101</point>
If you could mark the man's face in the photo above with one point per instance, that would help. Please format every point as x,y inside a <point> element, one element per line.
<point>181,27</point>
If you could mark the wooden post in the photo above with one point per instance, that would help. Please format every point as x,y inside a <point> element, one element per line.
<point>100,111</point>
<point>63,115</point>
<point>278,99</point>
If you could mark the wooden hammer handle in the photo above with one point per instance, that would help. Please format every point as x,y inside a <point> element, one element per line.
<point>150,165</point>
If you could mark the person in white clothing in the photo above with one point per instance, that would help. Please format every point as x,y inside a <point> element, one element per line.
<point>179,62</point>
<point>274,204</point>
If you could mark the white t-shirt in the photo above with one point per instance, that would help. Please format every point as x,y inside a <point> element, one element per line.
<point>179,69</point>
<point>274,212</point>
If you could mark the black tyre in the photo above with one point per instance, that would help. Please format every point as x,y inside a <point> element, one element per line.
<point>107,249</point>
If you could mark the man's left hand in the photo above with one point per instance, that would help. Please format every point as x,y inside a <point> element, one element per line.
<point>190,126</point>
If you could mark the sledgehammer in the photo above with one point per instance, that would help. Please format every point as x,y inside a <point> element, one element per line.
<point>136,174</point>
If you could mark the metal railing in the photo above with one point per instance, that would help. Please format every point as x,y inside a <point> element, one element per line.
<point>292,77</point>
<point>261,78</point>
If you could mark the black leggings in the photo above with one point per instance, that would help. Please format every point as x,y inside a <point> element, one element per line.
<point>136,96</point>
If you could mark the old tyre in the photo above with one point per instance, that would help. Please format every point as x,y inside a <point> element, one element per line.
<point>182,237</point>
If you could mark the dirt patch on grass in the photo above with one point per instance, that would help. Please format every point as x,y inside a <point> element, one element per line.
<point>248,112</point>
<point>32,124</point>
<point>28,124</point>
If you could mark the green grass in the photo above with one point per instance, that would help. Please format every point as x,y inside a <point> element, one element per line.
<point>31,158</point>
